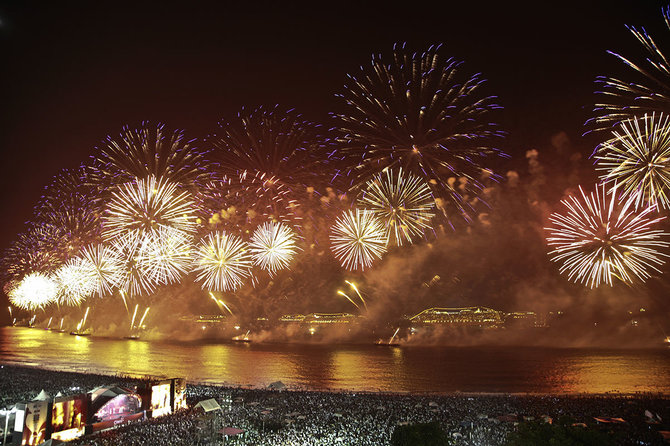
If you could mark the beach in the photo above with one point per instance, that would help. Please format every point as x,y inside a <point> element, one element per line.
<point>302,417</point>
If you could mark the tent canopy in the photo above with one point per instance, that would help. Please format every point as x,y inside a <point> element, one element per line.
<point>208,405</point>
<point>42,396</point>
<point>103,394</point>
<point>277,385</point>
<point>107,391</point>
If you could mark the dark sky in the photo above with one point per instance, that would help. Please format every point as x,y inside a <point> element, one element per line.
<point>71,73</point>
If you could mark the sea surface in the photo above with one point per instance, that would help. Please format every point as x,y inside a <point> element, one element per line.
<point>349,367</point>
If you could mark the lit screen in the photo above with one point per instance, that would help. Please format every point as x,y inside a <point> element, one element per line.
<point>34,430</point>
<point>68,414</point>
<point>179,394</point>
<point>160,399</point>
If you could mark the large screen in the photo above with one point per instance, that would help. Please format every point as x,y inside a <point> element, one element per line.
<point>68,418</point>
<point>179,394</point>
<point>36,417</point>
<point>161,399</point>
<point>119,407</point>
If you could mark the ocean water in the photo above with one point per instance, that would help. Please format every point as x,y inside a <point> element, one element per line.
<point>349,367</point>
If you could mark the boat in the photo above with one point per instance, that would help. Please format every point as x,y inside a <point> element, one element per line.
<point>241,339</point>
<point>381,343</point>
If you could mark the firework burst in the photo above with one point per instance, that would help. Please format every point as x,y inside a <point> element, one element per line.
<point>133,280</point>
<point>104,266</point>
<point>419,112</point>
<point>150,150</point>
<point>164,255</point>
<point>73,205</point>
<point>75,282</point>
<point>598,238</point>
<point>40,248</point>
<point>402,201</point>
<point>649,93</point>
<point>268,154</point>
<point>273,246</point>
<point>222,262</point>
<point>34,291</point>
<point>144,206</point>
<point>638,160</point>
<point>357,238</point>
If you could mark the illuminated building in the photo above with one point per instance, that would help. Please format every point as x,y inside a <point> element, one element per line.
<point>319,318</point>
<point>480,317</point>
<point>314,322</point>
<point>204,319</point>
<point>522,319</point>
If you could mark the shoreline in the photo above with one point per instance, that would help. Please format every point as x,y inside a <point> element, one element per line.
<point>263,387</point>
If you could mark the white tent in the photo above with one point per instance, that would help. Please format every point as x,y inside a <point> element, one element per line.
<point>208,405</point>
<point>103,394</point>
<point>42,396</point>
<point>107,391</point>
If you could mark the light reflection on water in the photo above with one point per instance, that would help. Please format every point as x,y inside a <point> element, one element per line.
<point>353,367</point>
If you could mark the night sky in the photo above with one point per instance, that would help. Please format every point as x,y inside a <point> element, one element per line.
<point>73,73</point>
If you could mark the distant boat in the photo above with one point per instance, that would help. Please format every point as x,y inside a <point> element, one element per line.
<point>80,333</point>
<point>243,338</point>
<point>238,339</point>
<point>381,343</point>
<point>132,337</point>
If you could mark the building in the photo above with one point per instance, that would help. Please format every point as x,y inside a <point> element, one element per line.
<point>477,317</point>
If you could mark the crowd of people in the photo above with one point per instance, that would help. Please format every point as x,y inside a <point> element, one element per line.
<point>300,417</point>
<point>23,384</point>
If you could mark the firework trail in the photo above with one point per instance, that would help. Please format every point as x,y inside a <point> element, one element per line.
<point>143,317</point>
<point>360,296</point>
<point>342,293</point>
<point>222,262</point>
<point>637,159</point>
<point>357,238</point>
<point>272,246</point>
<point>82,322</point>
<point>402,201</point>
<point>221,304</point>
<point>132,321</point>
<point>419,112</point>
<point>598,238</point>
